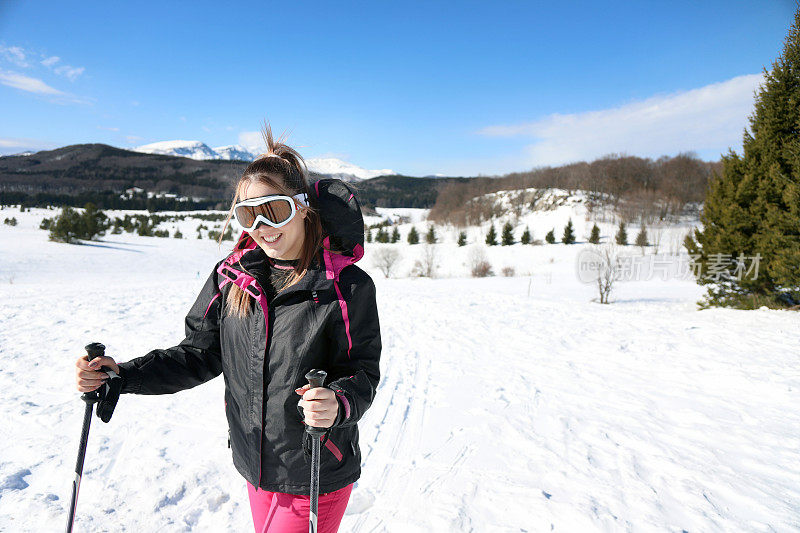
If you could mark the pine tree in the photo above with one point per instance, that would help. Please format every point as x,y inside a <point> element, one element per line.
<point>395,234</point>
<point>526,236</point>
<point>551,236</point>
<point>491,237</point>
<point>622,235</point>
<point>413,236</point>
<point>569,233</point>
<point>369,235</point>
<point>462,238</point>
<point>430,237</point>
<point>507,238</point>
<point>382,236</point>
<point>751,215</point>
<point>641,238</point>
<point>594,238</point>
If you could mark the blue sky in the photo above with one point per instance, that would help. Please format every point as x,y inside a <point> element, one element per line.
<point>456,88</point>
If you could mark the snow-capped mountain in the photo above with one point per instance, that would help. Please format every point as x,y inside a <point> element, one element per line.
<point>234,152</point>
<point>329,166</point>
<point>337,168</point>
<point>191,149</point>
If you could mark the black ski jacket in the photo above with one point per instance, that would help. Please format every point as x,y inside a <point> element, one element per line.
<point>328,320</point>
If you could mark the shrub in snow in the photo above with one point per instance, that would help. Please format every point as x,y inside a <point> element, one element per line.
<point>479,264</point>
<point>386,259</point>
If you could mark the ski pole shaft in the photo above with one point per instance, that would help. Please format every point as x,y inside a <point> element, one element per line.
<point>93,350</point>
<point>315,379</point>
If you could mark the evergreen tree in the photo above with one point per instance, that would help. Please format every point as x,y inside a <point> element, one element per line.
<point>491,237</point>
<point>413,236</point>
<point>551,236</point>
<point>641,238</point>
<point>594,238</point>
<point>569,233</point>
<point>526,236</point>
<point>462,238</point>
<point>622,235</point>
<point>430,238</point>
<point>369,235</point>
<point>178,234</point>
<point>507,238</point>
<point>751,215</point>
<point>395,235</point>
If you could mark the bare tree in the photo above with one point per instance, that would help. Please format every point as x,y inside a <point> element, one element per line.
<point>385,259</point>
<point>600,264</point>
<point>428,262</point>
<point>479,265</point>
<point>656,236</point>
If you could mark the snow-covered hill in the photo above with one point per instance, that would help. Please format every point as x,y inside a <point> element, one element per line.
<point>329,166</point>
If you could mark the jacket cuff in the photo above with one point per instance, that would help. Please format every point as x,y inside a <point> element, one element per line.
<point>131,378</point>
<point>344,407</point>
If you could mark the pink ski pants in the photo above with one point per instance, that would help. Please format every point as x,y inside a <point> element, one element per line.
<point>278,512</point>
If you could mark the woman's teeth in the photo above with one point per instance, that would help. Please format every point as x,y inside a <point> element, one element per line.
<point>273,239</point>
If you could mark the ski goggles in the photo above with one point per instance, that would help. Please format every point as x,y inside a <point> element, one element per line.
<point>274,210</point>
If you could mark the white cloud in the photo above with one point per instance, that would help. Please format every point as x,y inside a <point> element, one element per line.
<point>16,145</point>
<point>40,88</point>
<point>26,83</point>
<point>50,61</point>
<point>253,141</point>
<point>14,54</point>
<point>709,118</point>
<point>69,72</point>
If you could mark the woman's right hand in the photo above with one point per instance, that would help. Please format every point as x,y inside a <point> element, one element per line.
<point>88,376</point>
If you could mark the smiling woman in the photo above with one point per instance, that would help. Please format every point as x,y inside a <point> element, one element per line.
<point>265,341</point>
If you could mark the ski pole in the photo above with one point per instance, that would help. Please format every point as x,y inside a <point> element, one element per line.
<point>315,379</point>
<point>107,401</point>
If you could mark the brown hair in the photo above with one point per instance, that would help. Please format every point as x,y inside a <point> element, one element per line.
<point>287,173</point>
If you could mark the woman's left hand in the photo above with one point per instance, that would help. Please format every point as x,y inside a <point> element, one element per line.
<point>319,404</point>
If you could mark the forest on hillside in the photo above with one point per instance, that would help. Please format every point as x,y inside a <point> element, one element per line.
<point>629,187</point>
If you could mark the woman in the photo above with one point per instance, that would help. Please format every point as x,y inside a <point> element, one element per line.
<point>287,299</point>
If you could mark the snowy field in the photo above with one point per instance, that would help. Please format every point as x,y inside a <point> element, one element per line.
<point>506,404</point>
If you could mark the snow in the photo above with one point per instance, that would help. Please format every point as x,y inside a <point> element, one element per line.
<point>505,404</point>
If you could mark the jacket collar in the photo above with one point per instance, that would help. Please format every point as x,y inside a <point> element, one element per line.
<point>247,256</point>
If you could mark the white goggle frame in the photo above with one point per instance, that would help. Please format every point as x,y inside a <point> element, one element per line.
<point>302,197</point>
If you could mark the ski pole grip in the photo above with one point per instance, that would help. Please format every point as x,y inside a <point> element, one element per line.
<point>95,349</point>
<point>316,377</point>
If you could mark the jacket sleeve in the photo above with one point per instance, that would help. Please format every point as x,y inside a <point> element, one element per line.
<point>355,363</point>
<point>195,360</point>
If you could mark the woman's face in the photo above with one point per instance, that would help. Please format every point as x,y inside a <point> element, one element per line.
<point>290,236</point>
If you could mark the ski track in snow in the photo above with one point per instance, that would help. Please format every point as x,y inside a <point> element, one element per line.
<point>495,411</point>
